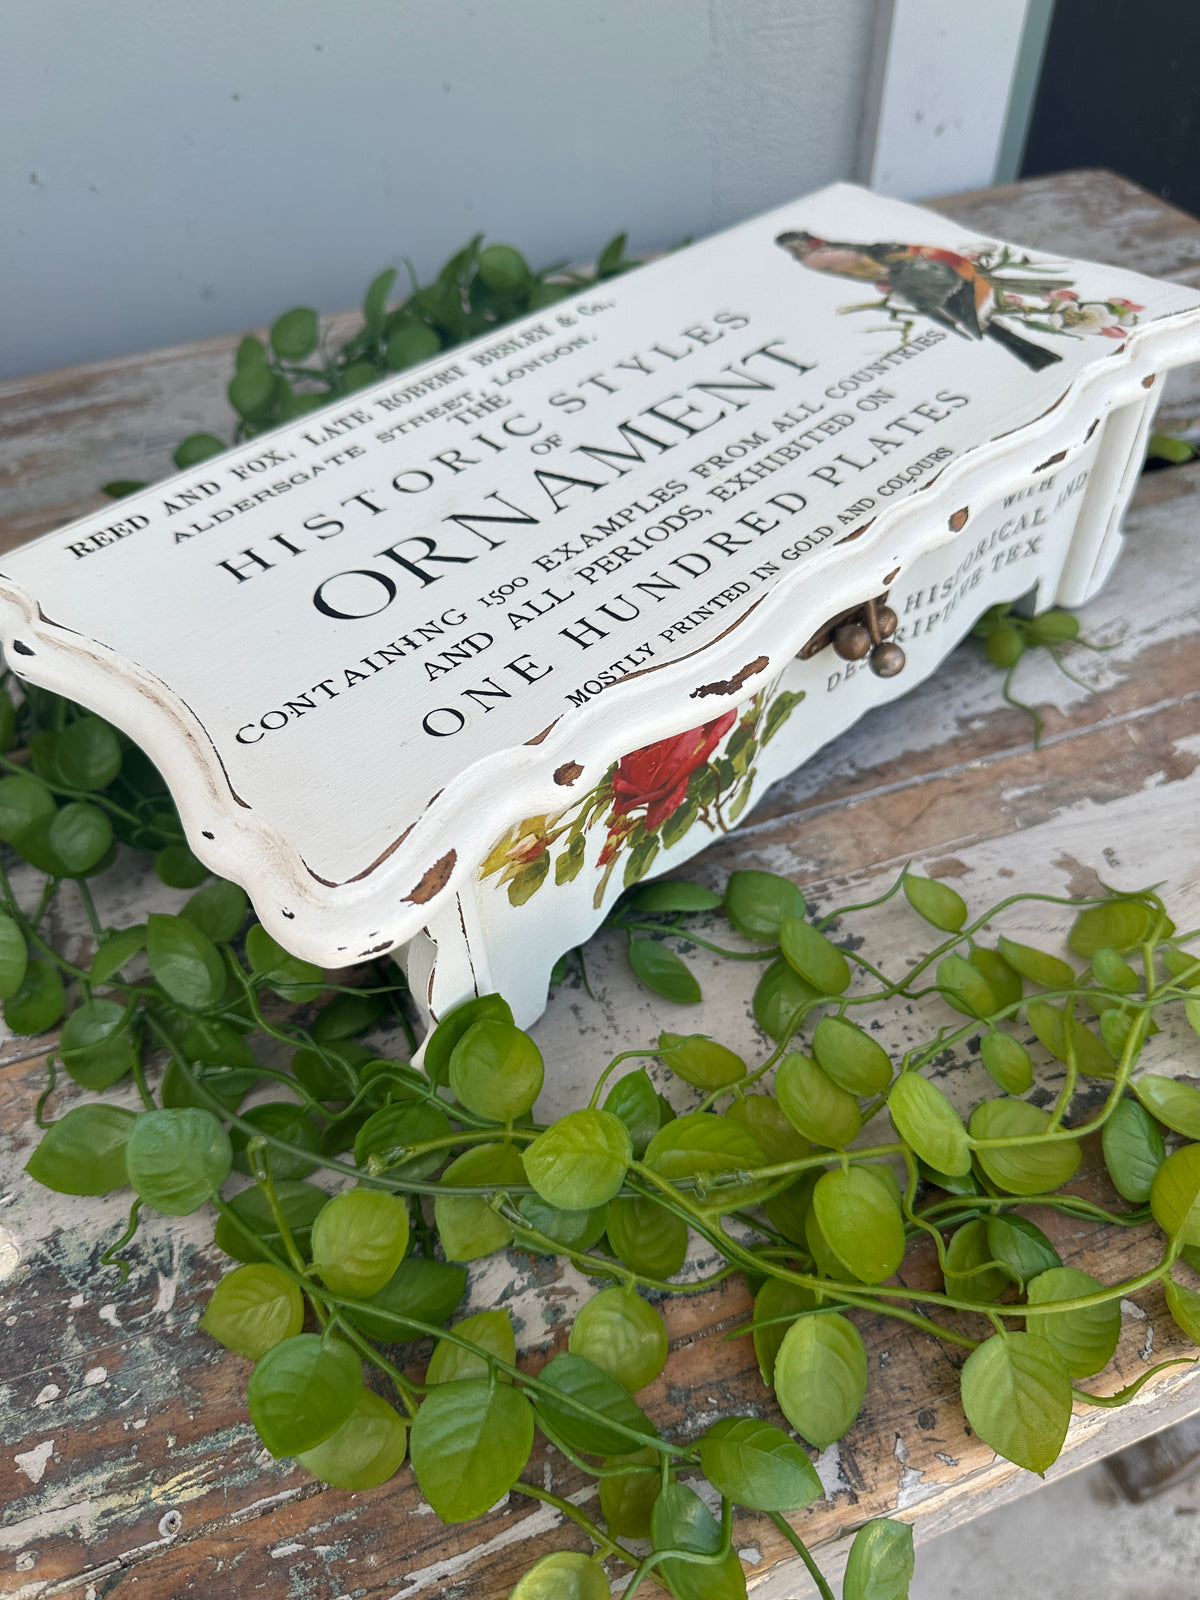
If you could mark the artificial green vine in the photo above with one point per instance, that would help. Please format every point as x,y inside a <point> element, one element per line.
<point>443,1163</point>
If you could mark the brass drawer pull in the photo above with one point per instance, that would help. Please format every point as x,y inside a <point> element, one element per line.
<point>863,630</point>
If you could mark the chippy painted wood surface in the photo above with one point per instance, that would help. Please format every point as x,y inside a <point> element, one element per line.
<point>127,1465</point>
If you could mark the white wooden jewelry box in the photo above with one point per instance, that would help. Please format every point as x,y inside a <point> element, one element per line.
<point>439,670</point>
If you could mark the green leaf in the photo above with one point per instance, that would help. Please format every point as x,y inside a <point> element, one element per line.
<point>634,1100</point>
<point>622,1334</point>
<point>279,1119</point>
<point>1174,1104</point>
<point>1007,1060</point>
<point>358,1241</point>
<point>673,894</point>
<point>401,1126</point>
<point>563,1575</point>
<point>1020,1248</point>
<point>1048,971</point>
<point>572,1230</point>
<point>819,1108</point>
<point>469,1444</point>
<point>198,447</point>
<point>816,958</point>
<point>118,949</point>
<point>253,1309</point>
<point>1032,1167</point>
<point>970,1274</point>
<point>755,1464</point>
<point>580,1161</point>
<point>937,902</point>
<point>70,843</point>
<point>663,972</point>
<point>100,1044</point>
<point>1003,980</point>
<point>1184,1306</point>
<point>375,299</point>
<point>1116,925</point>
<point>347,1015</point>
<point>118,488</point>
<point>291,978</point>
<point>767,1122</point>
<point>776,1298</point>
<point>757,902</point>
<point>24,800</point>
<point>468,1226</point>
<point>965,988</point>
<point>88,753</point>
<point>489,1330</point>
<point>410,344</point>
<point>574,1378</point>
<point>704,1146</point>
<point>821,1377</point>
<point>851,1057</point>
<point>178,868</point>
<point>1016,1391</point>
<point>858,1215</point>
<point>251,390</point>
<point>425,1289</point>
<point>217,1043</point>
<point>84,1151</point>
<point>627,1498</point>
<point>1056,1029</point>
<point>681,1521</point>
<point>453,1025</point>
<point>38,1003</point>
<point>646,1237</point>
<point>294,334</point>
<point>1175,1193</point>
<point>299,1202</point>
<point>302,1391</point>
<point>14,957</point>
<point>1085,1339</point>
<point>779,998</point>
<point>185,962</point>
<point>496,1071</point>
<point>1133,1150</point>
<point>924,1118</point>
<point>503,269</point>
<point>218,910</point>
<point>365,1451</point>
<point>700,1061</point>
<point>251,352</point>
<point>881,1562</point>
<point>177,1160</point>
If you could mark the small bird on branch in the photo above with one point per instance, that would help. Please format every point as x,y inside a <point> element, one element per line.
<point>948,288</point>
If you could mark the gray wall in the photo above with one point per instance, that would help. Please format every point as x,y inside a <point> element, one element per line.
<point>174,170</point>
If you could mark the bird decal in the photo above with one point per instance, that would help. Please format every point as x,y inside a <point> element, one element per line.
<point>948,288</point>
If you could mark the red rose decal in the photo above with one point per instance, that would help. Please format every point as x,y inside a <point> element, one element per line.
<point>656,776</point>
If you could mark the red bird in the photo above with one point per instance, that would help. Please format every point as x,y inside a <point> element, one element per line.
<point>939,284</point>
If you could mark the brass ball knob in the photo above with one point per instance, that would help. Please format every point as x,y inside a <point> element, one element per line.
<point>887,621</point>
<point>852,641</point>
<point>887,660</point>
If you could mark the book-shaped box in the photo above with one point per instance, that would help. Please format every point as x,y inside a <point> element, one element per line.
<point>440,669</point>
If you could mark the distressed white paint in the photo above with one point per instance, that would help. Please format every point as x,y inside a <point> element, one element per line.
<point>33,1463</point>
<point>941,79</point>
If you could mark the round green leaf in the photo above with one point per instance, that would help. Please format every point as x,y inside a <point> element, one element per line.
<point>936,902</point>
<point>358,1241</point>
<point>38,1002</point>
<point>177,1160</point>
<point>779,998</point>
<point>253,1309</point>
<point>816,958</point>
<point>14,957</point>
<point>757,902</point>
<point>1174,1104</point>
<point>573,1377</point>
<point>965,988</point>
<point>815,1105</point>
<point>425,1289</point>
<point>1032,1167</point>
<point>634,1100</point>
<point>294,334</point>
<point>627,1498</point>
<point>1019,1247</point>
<point>703,1146</point>
<point>563,1575</point>
<point>851,1057</point>
<point>1007,1060</point>
<point>767,1122</point>
<point>469,1444</point>
<point>1047,971</point>
<point>491,1331</point>
<point>84,1151</point>
<point>663,972</point>
<point>24,800</point>
<point>184,962</point>
<point>496,1071</point>
<point>755,1464</point>
<point>777,1298</point>
<point>399,1127</point>
<point>410,343</point>
<point>1175,1192</point>
<point>347,1015</point>
<point>1085,1339</point>
<point>1113,972</point>
<point>1133,1150</point>
<point>571,1230</point>
<point>198,447</point>
<point>700,1061</point>
<point>1184,1306</point>
<point>925,1120</point>
<point>673,894</point>
<point>580,1161</point>
<point>299,1202</point>
<point>1116,925</point>
<point>365,1451</point>
<point>1056,1030</point>
<point>646,1237</point>
<point>375,299</point>
<point>681,1521</point>
<point>119,947</point>
<point>503,269</point>
<point>1016,1391</point>
<point>279,1119</point>
<point>468,1226</point>
<point>88,753</point>
<point>880,1566</point>
<point>178,868</point>
<point>821,1377</point>
<point>1003,980</point>
<point>970,1271</point>
<point>99,1043</point>
<point>302,1391</point>
<point>291,978</point>
<point>76,839</point>
<point>441,1042</point>
<point>623,1334</point>
<point>860,1221</point>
